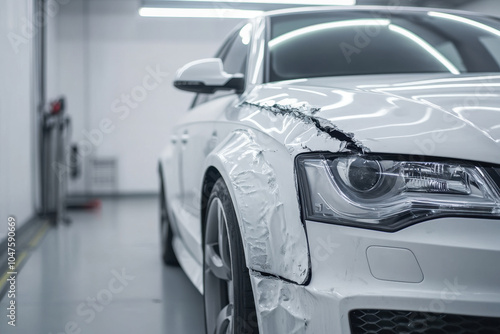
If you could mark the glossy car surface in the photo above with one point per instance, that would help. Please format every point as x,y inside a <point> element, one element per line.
<point>360,151</point>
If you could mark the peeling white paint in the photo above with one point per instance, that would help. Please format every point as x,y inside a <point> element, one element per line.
<point>282,307</point>
<point>306,113</point>
<point>272,244</point>
<point>296,134</point>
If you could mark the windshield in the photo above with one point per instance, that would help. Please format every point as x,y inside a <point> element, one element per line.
<point>345,42</point>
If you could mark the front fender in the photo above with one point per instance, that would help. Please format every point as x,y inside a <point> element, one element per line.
<point>260,176</point>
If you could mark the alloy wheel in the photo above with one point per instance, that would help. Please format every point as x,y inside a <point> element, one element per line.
<point>219,293</point>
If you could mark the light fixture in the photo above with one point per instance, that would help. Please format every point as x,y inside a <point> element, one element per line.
<point>227,13</point>
<point>238,9</point>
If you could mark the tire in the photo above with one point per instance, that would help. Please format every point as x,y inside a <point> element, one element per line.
<point>228,296</point>
<point>167,250</point>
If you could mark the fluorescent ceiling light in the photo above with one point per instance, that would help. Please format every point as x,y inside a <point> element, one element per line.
<point>466,21</point>
<point>227,13</point>
<point>330,25</point>
<point>426,46</point>
<point>292,2</point>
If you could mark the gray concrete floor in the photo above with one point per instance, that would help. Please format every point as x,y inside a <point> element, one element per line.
<point>69,282</point>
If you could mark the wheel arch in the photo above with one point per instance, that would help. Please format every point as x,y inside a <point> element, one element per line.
<point>272,231</point>
<point>161,179</point>
<point>210,177</point>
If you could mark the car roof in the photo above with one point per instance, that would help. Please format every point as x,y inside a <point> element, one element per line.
<point>391,9</point>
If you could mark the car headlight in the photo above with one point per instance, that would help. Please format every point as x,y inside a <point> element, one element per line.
<point>388,194</point>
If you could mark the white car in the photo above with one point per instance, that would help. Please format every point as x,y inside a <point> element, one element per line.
<point>338,172</point>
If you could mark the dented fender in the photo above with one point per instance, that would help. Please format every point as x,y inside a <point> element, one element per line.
<point>260,178</point>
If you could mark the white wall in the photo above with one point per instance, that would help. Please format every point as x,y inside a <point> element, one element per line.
<point>16,114</point>
<point>70,44</point>
<point>106,50</point>
<point>490,7</point>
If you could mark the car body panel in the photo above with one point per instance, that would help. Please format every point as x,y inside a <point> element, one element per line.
<point>260,176</point>
<point>458,256</point>
<point>403,114</point>
<point>193,139</point>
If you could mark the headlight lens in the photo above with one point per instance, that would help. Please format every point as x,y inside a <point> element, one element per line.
<point>388,194</point>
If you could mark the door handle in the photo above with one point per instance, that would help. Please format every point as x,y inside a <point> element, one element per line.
<point>184,138</point>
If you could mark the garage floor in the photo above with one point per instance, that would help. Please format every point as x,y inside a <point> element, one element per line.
<point>80,277</point>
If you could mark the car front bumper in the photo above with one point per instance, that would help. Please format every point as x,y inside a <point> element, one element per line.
<point>449,265</point>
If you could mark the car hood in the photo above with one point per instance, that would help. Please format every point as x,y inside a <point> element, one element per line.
<point>420,114</point>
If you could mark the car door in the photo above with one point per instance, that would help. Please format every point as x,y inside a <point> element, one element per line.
<point>194,139</point>
<point>198,137</point>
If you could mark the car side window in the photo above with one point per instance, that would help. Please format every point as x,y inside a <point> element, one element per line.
<point>199,99</point>
<point>234,55</point>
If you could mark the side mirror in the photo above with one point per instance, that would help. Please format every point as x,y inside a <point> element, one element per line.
<point>207,76</point>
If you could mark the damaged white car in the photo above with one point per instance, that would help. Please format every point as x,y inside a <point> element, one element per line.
<point>338,172</point>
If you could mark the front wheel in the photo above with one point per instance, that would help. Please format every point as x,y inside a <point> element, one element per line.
<point>229,303</point>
